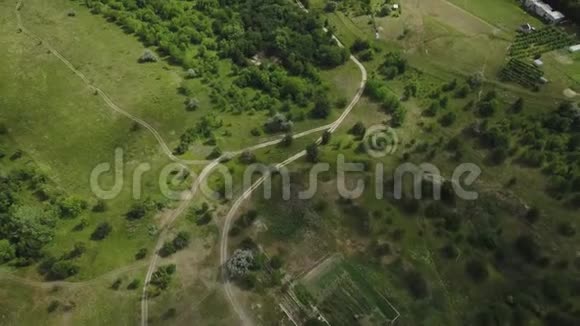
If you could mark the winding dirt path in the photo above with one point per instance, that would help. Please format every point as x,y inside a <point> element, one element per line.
<point>196,185</point>
<point>233,210</point>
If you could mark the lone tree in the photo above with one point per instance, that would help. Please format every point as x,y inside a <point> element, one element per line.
<point>191,104</point>
<point>148,56</point>
<point>287,140</point>
<point>312,153</point>
<point>240,264</point>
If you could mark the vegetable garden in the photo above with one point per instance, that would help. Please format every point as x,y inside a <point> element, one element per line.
<point>343,296</point>
<point>521,72</point>
<point>541,41</point>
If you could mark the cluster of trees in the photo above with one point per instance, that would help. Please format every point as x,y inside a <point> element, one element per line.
<point>203,129</point>
<point>229,27</point>
<point>377,91</point>
<point>180,242</point>
<point>161,279</point>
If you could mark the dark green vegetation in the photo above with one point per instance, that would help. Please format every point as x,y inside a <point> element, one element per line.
<point>275,58</point>
<point>507,258</point>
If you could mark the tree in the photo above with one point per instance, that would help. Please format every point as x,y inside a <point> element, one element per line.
<point>312,153</point>
<point>141,253</point>
<point>247,157</point>
<point>7,251</point>
<point>477,270</point>
<point>240,264</point>
<point>62,270</point>
<point>102,231</point>
<point>30,228</point>
<point>191,104</point>
<point>100,206</point>
<point>416,284</point>
<point>518,105</point>
<point>321,108</point>
<point>137,211</point>
<point>148,56</point>
<point>287,140</point>
<point>358,129</point>
<point>134,284</point>
<point>448,119</point>
<point>276,262</point>
<point>325,139</point>
<point>360,45</point>
<point>330,6</point>
<point>181,240</point>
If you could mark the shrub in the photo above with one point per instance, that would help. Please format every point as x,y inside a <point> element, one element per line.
<point>52,306</point>
<point>100,206</point>
<point>416,284</point>
<point>138,211</point>
<point>141,253</point>
<point>358,129</point>
<point>276,262</point>
<point>148,56</point>
<point>287,140</point>
<point>167,249</point>
<point>330,6</point>
<point>116,284</point>
<point>61,270</point>
<point>477,270</point>
<point>134,284</point>
<point>191,73</point>
<point>255,132</point>
<point>312,153</point>
<point>191,104</point>
<point>360,45</point>
<point>325,139</point>
<point>448,119</point>
<point>102,231</point>
<point>240,264</point>
<point>247,157</point>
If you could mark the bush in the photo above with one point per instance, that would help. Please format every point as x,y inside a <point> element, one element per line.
<point>276,262</point>
<point>167,249</point>
<point>116,284</point>
<point>138,211</point>
<point>325,139</point>
<point>61,270</point>
<point>52,306</point>
<point>417,285</point>
<point>312,153</point>
<point>287,140</point>
<point>102,231</point>
<point>330,6</point>
<point>247,157</point>
<point>7,251</point>
<point>255,132</point>
<point>141,253</point>
<point>134,284</point>
<point>191,104</point>
<point>477,270</point>
<point>528,248</point>
<point>448,119</point>
<point>148,56</point>
<point>100,206</point>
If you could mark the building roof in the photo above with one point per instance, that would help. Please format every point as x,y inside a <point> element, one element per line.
<point>574,48</point>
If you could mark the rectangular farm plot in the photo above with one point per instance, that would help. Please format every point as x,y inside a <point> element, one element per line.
<point>343,296</point>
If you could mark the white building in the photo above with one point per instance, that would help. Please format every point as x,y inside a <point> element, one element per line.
<point>543,10</point>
